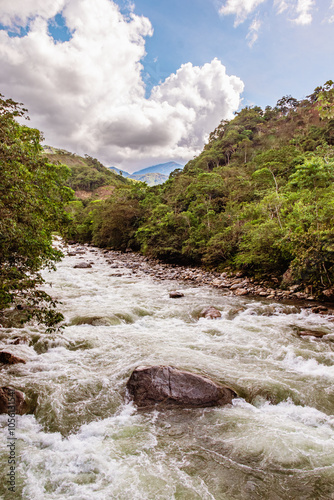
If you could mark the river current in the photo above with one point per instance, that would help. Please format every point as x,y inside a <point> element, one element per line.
<point>87,441</point>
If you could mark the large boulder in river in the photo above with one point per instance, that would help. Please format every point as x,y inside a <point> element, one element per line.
<point>176,294</point>
<point>83,265</point>
<point>210,312</point>
<point>12,401</point>
<point>169,386</point>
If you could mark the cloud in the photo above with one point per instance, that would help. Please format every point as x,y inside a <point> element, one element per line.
<point>241,8</point>
<point>300,12</point>
<point>87,94</point>
<point>303,9</point>
<point>282,6</point>
<point>331,19</point>
<point>19,12</point>
<point>253,33</point>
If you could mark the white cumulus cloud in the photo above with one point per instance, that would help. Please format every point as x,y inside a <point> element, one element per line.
<point>87,94</point>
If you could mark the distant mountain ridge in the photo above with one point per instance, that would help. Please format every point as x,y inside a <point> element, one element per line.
<point>119,171</point>
<point>161,168</point>
<point>156,174</point>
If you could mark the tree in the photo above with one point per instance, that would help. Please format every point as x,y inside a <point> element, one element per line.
<point>325,100</point>
<point>32,201</point>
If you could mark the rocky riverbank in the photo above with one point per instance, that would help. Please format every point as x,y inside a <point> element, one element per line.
<point>231,284</point>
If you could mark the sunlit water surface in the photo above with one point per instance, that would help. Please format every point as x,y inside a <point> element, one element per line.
<point>87,441</point>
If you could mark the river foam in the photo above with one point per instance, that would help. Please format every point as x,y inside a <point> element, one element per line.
<point>87,440</point>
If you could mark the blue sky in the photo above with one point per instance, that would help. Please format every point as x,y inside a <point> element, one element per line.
<point>286,58</point>
<point>138,83</point>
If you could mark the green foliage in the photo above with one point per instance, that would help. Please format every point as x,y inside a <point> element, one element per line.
<point>259,197</point>
<point>325,99</point>
<point>116,219</point>
<point>32,200</point>
<point>87,173</point>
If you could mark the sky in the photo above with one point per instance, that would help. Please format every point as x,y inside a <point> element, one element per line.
<point>145,82</point>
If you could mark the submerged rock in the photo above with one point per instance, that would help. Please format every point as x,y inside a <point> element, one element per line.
<point>210,312</point>
<point>19,340</point>
<point>82,265</point>
<point>9,359</point>
<point>311,333</point>
<point>176,295</point>
<point>168,386</point>
<point>12,401</point>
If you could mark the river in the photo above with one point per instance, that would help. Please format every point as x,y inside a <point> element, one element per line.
<point>86,440</point>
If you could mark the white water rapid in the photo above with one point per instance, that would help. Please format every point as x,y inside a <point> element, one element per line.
<point>86,441</point>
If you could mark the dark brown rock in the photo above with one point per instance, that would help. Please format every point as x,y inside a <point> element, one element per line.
<point>210,312</point>
<point>12,401</point>
<point>168,386</point>
<point>329,293</point>
<point>319,309</point>
<point>83,265</point>
<point>311,333</point>
<point>19,340</point>
<point>287,277</point>
<point>9,359</point>
<point>176,295</point>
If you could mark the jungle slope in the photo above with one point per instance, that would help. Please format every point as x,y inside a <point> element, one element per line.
<point>258,199</point>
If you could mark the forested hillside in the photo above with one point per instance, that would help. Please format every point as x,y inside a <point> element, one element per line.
<point>87,174</point>
<point>259,198</point>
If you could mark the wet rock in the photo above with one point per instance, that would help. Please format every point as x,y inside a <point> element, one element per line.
<point>19,340</point>
<point>210,312</point>
<point>9,359</point>
<point>329,293</point>
<point>310,333</point>
<point>287,277</point>
<point>300,295</point>
<point>241,291</point>
<point>176,295</point>
<point>149,385</point>
<point>12,401</point>
<point>83,265</point>
<point>216,282</point>
<point>319,309</point>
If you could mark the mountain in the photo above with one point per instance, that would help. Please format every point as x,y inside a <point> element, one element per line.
<point>151,179</point>
<point>154,175</point>
<point>119,171</point>
<point>161,168</point>
<point>89,177</point>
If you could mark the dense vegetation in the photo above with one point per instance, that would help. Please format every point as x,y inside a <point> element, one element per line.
<point>87,174</point>
<point>258,198</point>
<point>32,200</point>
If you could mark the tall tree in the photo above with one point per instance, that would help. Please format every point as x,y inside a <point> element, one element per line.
<point>32,201</point>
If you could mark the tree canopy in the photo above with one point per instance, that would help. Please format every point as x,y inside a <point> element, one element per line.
<point>32,205</point>
<point>259,198</point>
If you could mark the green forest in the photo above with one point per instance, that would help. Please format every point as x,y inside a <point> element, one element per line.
<point>259,198</point>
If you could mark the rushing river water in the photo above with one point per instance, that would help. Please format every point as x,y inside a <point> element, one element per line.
<point>86,440</point>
